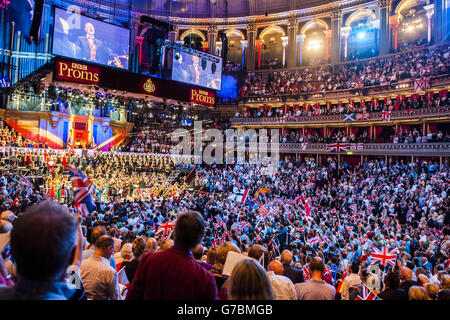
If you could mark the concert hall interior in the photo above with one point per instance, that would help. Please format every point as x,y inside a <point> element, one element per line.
<point>224,150</point>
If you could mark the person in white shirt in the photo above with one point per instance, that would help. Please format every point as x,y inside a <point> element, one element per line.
<point>100,280</point>
<point>352,280</point>
<point>282,286</point>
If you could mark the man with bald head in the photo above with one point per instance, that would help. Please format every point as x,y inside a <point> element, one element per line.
<point>406,282</point>
<point>282,286</point>
<point>315,288</point>
<point>289,271</point>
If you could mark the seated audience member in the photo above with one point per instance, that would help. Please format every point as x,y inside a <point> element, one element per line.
<point>173,274</point>
<point>315,288</point>
<point>418,293</point>
<point>197,253</point>
<point>289,271</point>
<point>391,288</point>
<point>249,281</point>
<point>100,280</point>
<point>42,255</point>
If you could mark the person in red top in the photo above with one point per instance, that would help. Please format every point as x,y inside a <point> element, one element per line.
<point>174,274</point>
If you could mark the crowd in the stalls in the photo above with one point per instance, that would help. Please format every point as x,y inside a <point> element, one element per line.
<point>311,232</point>
<point>414,64</point>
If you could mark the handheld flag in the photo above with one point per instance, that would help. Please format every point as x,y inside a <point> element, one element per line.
<point>81,186</point>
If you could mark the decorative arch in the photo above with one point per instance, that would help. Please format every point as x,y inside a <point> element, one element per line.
<point>312,23</point>
<point>405,4</point>
<point>193,31</point>
<point>359,14</point>
<point>272,28</point>
<point>235,32</point>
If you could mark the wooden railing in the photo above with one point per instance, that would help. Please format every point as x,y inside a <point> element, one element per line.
<point>323,119</point>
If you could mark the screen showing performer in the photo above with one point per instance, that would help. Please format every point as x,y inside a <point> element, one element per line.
<point>197,70</point>
<point>79,37</point>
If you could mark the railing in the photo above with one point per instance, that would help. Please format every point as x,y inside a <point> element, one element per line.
<point>399,149</point>
<point>321,119</point>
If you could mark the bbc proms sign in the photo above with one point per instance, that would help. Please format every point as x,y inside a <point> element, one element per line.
<point>115,79</point>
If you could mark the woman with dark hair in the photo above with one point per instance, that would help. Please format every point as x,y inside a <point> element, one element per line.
<point>249,281</point>
<point>138,248</point>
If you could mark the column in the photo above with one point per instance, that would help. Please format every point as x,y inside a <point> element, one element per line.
<point>430,12</point>
<point>284,43</point>
<point>212,8</point>
<point>251,36</point>
<point>394,21</point>
<point>345,32</point>
<point>300,41</point>
<point>336,21</point>
<point>258,46</point>
<point>441,20</point>
<point>384,25</point>
<point>328,37</point>
<point>173,35</point>
<point>244,46</point>
<point>212,39</point>
<point>139,42</point>
<point>292,45</point>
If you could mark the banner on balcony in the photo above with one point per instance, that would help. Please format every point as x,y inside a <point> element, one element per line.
<point>338,147</point>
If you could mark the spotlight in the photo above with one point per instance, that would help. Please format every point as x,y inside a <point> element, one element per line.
<point>361,35</point>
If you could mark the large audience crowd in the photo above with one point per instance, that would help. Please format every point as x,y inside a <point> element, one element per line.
<point>388,70</point>
<point>301,249</point>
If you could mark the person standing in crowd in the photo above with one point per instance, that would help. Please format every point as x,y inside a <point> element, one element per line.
<point>289,271</point>
<point>392,290</point>
<point>315,288</point>
<point>249,281</point>
<point>100,280</point>
<point>352,280</point>
<point>174,274</point>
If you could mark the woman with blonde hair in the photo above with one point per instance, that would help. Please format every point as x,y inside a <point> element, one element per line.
<point>249,281</point>
<point>417,293</point>
<point>151,245</point>
<point>432,290</point>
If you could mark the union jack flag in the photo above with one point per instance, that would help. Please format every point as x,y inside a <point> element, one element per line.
<point>384,256</point>
<point>386,115</point>
<point>81,191</point>
<point>313,240</point>
<point>362,116</point>
<point>305,270</point>
<point>165,228</point>
<point>336,147</point>
<point>366,294</point>
<point>409,111</point>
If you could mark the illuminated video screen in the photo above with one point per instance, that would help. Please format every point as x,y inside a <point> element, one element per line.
<point>79,37</point>
<point>196,69</point>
